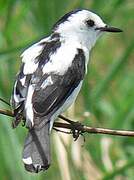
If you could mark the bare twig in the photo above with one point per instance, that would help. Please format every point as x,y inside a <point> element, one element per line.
<point>6,112</point>
<point>80,127</point>
<point>93,130</point>
<point>4,101</point>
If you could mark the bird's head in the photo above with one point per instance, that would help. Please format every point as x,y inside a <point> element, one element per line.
<point>82,25</point>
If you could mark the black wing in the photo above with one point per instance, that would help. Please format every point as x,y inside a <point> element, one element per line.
<point>53,96</point>
<point>19,95</point>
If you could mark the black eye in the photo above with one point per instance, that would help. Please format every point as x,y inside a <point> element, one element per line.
<point>90,23</point>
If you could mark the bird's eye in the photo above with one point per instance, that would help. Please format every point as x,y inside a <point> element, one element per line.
<point>90,23</point>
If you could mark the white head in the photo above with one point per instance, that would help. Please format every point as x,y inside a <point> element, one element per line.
<point>82,25</point>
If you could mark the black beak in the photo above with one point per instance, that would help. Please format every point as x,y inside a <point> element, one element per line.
<point>109,29</point>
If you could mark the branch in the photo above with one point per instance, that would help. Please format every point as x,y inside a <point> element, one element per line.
<point>76,126</point>
<point>4,101</point>
<point>6,112</point>
<point>93,130</point>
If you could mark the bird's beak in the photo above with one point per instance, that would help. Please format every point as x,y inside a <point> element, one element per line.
<point>109,29</point>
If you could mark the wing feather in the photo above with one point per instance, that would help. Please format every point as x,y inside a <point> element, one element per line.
<point>53,96</point>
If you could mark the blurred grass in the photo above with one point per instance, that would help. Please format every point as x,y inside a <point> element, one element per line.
<point>107,91</point>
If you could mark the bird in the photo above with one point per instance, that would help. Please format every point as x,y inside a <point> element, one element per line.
<point>49,80</point>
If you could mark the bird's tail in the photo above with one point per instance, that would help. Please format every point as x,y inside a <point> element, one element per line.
<point>36,153</point>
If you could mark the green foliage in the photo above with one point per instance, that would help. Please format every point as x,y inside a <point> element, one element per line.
<point>107,91</point>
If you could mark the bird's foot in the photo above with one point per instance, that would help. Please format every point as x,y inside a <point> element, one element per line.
<point>17,120</point>
<point>65,119</point>
<point>76,129</point>
<point>23,122</point>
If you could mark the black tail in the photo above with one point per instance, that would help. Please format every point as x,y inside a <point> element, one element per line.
<point>36,153</point>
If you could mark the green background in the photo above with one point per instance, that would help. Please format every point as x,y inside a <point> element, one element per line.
<point>107,93</point>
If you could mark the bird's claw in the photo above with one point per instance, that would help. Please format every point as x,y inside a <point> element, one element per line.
<point>23,123</point>
<point>76,130</point>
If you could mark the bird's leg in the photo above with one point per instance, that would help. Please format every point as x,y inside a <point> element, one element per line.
<point>23,122</point>
<point>76,127</point>
<point>66,119</point>
<point>17,120</point>
<point>76,130</point>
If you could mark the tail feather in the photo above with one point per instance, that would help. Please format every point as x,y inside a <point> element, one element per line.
<point>36,153</point>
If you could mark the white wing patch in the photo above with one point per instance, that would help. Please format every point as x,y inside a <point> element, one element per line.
<point>47,82</point>
<point>29,106</point>
<point>29,56</point>
<point>30,67</point>
<point>16,96</point>
<point>22,80</point>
